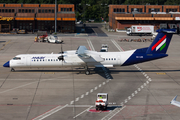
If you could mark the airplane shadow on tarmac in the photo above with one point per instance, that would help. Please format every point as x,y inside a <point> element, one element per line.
<point>99,71</point>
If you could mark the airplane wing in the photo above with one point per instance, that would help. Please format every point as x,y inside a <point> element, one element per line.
<point>174,102</point>
<point>88,56</point>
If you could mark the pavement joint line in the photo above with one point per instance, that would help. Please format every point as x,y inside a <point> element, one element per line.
<point>5,44</point>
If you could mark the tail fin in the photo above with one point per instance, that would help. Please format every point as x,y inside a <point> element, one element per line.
<point>161,42</point>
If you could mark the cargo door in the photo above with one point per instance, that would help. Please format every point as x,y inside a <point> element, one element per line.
<point>118,60</point>
<point>28,61</point>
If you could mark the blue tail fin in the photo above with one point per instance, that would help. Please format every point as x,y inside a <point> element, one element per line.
<point>161,42</point>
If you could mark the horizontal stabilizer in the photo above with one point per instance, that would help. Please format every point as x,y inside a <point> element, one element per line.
<point>174,102</point>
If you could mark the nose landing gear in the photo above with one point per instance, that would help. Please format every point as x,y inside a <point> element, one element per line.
<point>12,69</point>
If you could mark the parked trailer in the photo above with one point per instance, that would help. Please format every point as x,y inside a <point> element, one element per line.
<point>140,30</point>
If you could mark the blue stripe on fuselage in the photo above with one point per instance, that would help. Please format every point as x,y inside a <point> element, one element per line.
<point>140,56</point>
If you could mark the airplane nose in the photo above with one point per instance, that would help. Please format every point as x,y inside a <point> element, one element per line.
<point>6,64</point>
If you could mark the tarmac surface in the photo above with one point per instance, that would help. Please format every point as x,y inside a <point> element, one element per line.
<point>137,92</point>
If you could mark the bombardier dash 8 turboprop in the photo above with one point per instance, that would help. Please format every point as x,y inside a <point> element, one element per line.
<point>86,58</point>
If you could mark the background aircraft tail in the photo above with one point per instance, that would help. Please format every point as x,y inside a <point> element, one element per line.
<point>161,42</point>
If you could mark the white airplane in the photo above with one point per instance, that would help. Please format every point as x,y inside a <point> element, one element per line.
<point>174,102</point>
<point>86,58</point>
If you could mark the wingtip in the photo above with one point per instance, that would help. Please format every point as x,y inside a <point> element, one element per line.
<point>174,99</point>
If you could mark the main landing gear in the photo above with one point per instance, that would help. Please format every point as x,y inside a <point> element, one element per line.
<point>87,72</point>
<point>12,69</point>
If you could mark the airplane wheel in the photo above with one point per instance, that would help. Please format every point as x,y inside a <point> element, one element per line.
<point>12,70</point>
<point>87,72</point>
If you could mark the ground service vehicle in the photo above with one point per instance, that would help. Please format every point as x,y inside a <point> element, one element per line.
<point>140,30</point>
<point>104,48</point>
<point>53,39</point>
<point>102,101</point>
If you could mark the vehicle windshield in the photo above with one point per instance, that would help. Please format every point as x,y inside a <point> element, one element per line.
<point>101,96</point>
<point>55,37</point>
<point>16,58</point>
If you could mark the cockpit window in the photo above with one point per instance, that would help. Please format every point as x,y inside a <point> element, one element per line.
<point>16,58</point>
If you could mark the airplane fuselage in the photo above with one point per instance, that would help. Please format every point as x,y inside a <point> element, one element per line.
<point>110,59</point>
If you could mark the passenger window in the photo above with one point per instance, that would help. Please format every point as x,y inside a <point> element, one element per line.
<point>114,58</point>
<point>106,58</point>
<point>34,60</point>
<point>111,58</point>
<point>48,59</point>
<point>37,60</point>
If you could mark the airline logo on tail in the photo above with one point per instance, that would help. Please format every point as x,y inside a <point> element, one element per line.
<point>160,44</point>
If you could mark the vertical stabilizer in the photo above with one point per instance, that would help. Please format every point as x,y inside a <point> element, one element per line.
<point>161,42</point>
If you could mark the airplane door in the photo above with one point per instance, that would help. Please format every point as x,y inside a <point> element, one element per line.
<point>118,60</point>
<point>28,61</point>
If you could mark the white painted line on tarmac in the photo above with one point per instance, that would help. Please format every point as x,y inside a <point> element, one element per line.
<point>104,83</point>
<point>129,98</point>
<point>90,44</point>
<point>82,95</point>
<point>50,112</point>
<point>87,93</point>
<point>113,113</point>
<point>77,99</point>
<point>82,112</point>
<point>95,88</point>
<point>132,95</point>
<point>91,90</point>
<point>18,87</point>
<point>100,85</point>
<point>72,102</point>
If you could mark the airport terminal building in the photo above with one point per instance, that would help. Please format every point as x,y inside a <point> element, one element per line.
<point>161,16</point>
<point>33,17</point>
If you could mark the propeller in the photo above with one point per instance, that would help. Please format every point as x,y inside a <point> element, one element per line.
<point>61,58</point>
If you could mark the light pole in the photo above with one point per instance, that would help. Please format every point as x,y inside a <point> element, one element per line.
<point>55,16</point>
